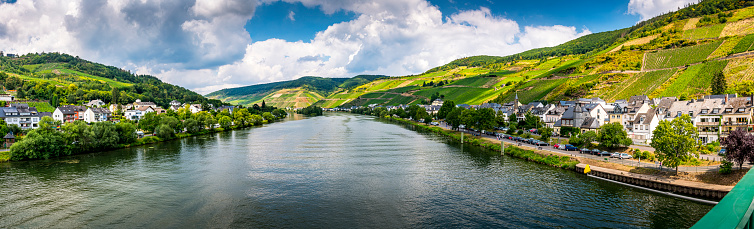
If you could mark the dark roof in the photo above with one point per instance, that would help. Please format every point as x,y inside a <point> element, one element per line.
<point>9,135</point>
<point>71,109</point>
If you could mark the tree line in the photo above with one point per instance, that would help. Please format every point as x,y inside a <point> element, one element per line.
<point>55,139</point>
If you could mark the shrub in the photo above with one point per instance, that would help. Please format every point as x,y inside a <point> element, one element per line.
<point>726,167</point>
<point>520,132</point>
<point>526,135</point>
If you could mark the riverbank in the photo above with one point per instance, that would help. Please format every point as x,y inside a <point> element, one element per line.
<point>697,184</point>
<point>5,156</point>
<point>494,148</point>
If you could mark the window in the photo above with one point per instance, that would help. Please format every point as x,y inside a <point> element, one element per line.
<point>728,110</point>
<point>679,114</point>
<point>691,113</point>
<point>716,110</point>
<point>704,111</point>
<point>742,120</point>
<point>741,110</point>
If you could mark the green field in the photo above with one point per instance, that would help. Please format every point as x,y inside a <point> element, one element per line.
<point>477,81</point>
<point>535,90</point>
<point>746,44</point>
<point>712,31</point>
<point>680,56</point>
<point>42,106</point>
<point>644,83</point>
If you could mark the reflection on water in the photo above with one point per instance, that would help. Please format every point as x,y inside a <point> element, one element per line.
<point>335,171</point>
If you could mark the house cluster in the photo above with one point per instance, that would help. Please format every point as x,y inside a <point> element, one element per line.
<point>22,115</point>
<point>98,111</point>
<point>715,116</point>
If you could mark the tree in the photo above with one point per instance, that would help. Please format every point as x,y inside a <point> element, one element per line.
<point>545,133</point>
<point>718,83</point>
<point>43,142</point>
<point>104,135</point>
<point>210,122</point>
<point>485,119</point>
<point>191,125</point>
<point>674,140</point>
<point>568,131</point>
<point>454,117</point>
<point>587,138</point>
<point>468,118</point>
<point>126,132</point>
<point>612,135</point>
<point>256,119</point>
<point>149,121</point>
<point>446,108</point>
<point>739,147</point>
<point>20,93</point>
<point>115,94</point>
<point>268,116</point>
<point>172,122</point>
<point>225,122</point>
<point>532,121</point>
<point>164,131</point>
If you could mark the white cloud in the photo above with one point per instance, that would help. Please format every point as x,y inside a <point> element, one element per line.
<point>291,16</point>
<point>651,8</point>
<point>203,46</point>
<point>412,39</point>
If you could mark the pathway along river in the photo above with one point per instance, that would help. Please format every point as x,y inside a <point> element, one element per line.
<point>334,171</point>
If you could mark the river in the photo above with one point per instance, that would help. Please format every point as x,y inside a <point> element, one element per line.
<point>333,171</point>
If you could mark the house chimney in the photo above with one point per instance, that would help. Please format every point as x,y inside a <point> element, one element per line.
<point>726,98</point>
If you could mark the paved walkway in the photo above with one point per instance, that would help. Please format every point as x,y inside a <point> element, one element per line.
<point>629,162</point>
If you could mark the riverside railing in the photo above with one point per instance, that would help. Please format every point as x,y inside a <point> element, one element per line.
<point>735,209</point>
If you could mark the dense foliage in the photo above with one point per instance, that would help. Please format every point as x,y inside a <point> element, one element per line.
<point>310,111</point>
<point>739,147</point>
<point>612,135</point>
<point>674,140</point>
<point>320,85</point>
<point>49,141</point>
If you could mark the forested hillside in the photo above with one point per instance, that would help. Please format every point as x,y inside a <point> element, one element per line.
<point>64,79</point>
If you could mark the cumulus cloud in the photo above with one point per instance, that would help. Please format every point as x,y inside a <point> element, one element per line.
<point>181,34</point>
<point>647,9</point>
<point>203,45</point>
<point>390,37</point>
<point>291,16</point>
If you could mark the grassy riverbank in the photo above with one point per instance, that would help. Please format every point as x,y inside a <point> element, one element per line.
<point>493,148</point>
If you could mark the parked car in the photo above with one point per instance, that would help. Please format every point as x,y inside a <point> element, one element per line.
<point>721,152</point>
<point>505,129</point>
<point>563,147</point>
<point>585,150</point>
<point>615,155</point>
<point>556,145</point>
<point>570,147</point>
<point>625,156</point>
<point>462,126</point>
<point>604,153</point>
<point>596,152</point>
<point>434,123</point>
<point>541,143</point>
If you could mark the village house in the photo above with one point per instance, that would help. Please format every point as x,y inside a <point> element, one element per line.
<point>6,97</point>
<point>69,113</point>
<point>138,104</point>
<point>96,114</point>
<point>22,115</point>
<point>95,103</point>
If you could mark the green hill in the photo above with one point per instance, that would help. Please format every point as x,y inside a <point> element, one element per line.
<point>300,92</point>
<point>674,54</point>
<point>65,79</point>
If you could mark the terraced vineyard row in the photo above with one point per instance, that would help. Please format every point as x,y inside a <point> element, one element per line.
<point>696,79</point>
<point>645,83</point>
<point>746,44</point>
<point>679,56</point>
<point>712,31</point>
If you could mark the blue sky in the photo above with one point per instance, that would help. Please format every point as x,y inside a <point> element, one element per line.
<point>207,45</point>
<point>273,21</point>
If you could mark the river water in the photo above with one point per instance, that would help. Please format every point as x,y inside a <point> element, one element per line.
<point>333,171</point>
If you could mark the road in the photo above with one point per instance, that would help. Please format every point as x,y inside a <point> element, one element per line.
<point>629,162</point>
